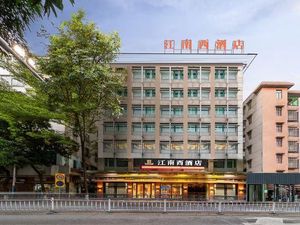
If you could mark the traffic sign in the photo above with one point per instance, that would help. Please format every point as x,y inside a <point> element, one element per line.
<point>60,180</point>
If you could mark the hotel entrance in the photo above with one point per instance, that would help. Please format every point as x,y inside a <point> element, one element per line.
<point>143,190</point>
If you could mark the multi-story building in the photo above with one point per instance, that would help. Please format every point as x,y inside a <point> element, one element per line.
<point>181,133</point>
<point>272,139</point>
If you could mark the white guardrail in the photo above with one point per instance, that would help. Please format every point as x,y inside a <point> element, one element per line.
<point>109,205</point>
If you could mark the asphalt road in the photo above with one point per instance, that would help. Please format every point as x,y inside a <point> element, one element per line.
<point>137,219</point>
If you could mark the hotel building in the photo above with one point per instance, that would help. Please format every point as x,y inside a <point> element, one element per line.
<point>181,132</point>
<point>271,121</point>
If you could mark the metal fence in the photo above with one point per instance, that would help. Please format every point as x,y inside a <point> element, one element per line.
<point>109,205</point>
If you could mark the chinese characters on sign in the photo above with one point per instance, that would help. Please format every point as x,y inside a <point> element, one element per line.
<point>203,46</point>
<point>174,164</point>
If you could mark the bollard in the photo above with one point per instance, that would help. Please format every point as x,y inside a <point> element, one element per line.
<point>273,208</point>
<point>165,205</point>
<point>109,206</point>
<point>220,208</point>
<point>52,204</point>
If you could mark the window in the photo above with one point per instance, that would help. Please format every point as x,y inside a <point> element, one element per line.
<point>205,146</point>
<point>205,110</point>
<point>232,111</point>
<point>177,93</point>
<point>136,93</point>
<point>219,163</point>
<point>177,110</point>
<point>164,146</point>
<point>220,74</point>
<point>149,127</point>
<point>136,110</point>
<point>164,110</point>
<point>149,110</point>
<point>220,146</point>
<point>164,73</point>
<point>107,145</point>
<point>149,74</point>
<point>165,93</point>
<point>279,127</point>
<point>249,149</point>
<point>123,92</point>
<point>193,74</point>
<point>293,163</point>
<point>293,101</point>
<point>193,93</point>
<point>279,158</point>
<point>177,146</point>
<point>249,119</point>
<point>136,146</point>
<point>231,163</point>
<point>293,132</point>
<point>232,147</point>
<point>293,115</point>
<point>164,128</point>
<point>220,128</point>
<point>205,128</point>
<point>249,163</point>
<point>120,128</point>
<point>108,128</point>
<point>121,145</point>
<point>109,162</point>
<point>205,74</point>
<point>136,73</point>
<point>249,135</point>
<point>121,163</point>
<point>279,141</point>
<point>232,93</point>
<point>249,104</point>
<point>193,110</point>
<point>278,94</point>
<point>278,110</point>
<point>149,145</point>
<point>232,73</point>
<point>220,111</point>
<point>177,74</point>
<point>176,128</point>
<point>136,128</point>
<point>220,93</point>
<point>293,146</point>
<point>193,128</point>
<point>193,146</point>
<point>149,93</point>
<point>205,92</point>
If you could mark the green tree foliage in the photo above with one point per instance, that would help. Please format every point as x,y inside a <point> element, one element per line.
<point>82,82</point>
<point>16,15</point>
<point>26,136</point>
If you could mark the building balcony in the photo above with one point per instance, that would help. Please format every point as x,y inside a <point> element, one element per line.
<point>280,167</point>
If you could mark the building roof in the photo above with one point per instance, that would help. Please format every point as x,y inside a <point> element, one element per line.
<point>273,84</point>
<point>294,93</point>
<point>185,58</point>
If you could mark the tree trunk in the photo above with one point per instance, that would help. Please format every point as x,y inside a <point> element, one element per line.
<point>41,177</point>
<point>82,146</point>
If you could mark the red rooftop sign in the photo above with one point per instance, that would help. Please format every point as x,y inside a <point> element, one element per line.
<point>203,46</point>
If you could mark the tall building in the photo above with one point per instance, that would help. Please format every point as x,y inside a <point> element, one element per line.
<point>181,134</point>
<point>271,120</point>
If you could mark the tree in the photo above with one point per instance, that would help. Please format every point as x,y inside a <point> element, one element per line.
<point>82,82</point>
<point>26,137</point>
<point>16,16</point>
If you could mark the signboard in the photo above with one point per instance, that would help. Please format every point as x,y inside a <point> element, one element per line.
<point>60,180</point>
<point>203,45</point>
<point>174,164</point>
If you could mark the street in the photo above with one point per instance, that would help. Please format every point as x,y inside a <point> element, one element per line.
<point>143,218</point>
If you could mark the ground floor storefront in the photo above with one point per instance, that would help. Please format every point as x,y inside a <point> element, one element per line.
<point>188,186</point>
<point>278,187</point>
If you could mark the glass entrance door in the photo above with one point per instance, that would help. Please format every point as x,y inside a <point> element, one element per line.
<point>143,190</point>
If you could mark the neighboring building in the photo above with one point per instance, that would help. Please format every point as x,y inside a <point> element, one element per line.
<point>271,134</point>
<point>181,134</point>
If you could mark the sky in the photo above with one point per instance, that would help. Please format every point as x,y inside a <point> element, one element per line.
<point>270,28</point>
